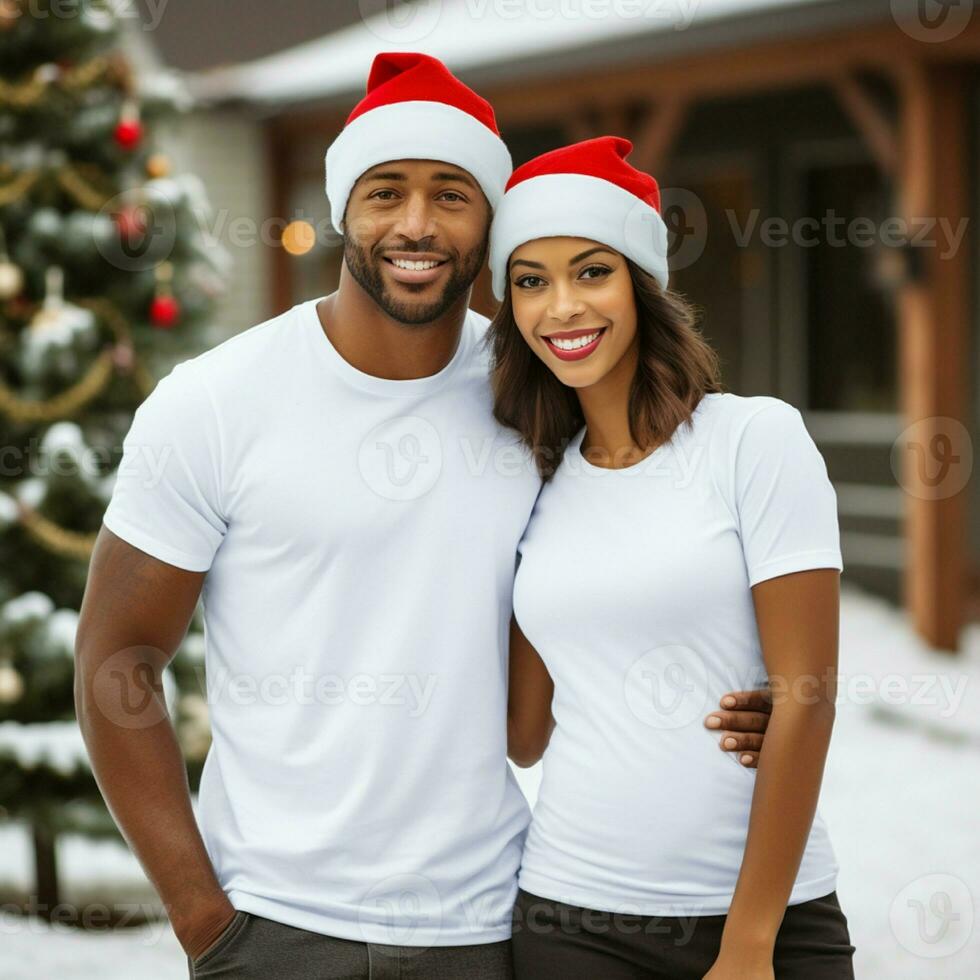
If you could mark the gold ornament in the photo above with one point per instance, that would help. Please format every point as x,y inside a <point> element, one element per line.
<point>158,165</point>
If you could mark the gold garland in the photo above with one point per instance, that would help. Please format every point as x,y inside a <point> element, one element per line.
<point>68,403</point>
<point>58,540</point>
<point>85,195</point>
<point>81,190</point>
<point>52,537</point>
<point>63,405</point>
<point>23,95</point>
<point>18,187</point>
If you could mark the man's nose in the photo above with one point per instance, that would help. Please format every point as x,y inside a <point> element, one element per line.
<point>415,219</point>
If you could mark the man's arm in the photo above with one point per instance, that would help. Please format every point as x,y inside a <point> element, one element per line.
<point>529,693</point>
<point>134,614</point>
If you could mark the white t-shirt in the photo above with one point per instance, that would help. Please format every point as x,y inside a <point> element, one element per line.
<point>360,539</point>
<point>634,587</point>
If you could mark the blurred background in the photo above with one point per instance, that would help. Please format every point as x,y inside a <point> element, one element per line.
<point>162,188</point>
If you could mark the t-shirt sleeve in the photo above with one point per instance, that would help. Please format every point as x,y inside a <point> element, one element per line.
<point>786,504</point>
<point>166,499</point>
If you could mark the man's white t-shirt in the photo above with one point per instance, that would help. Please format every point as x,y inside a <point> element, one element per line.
<point>360,538</point>
<point>634,587</point>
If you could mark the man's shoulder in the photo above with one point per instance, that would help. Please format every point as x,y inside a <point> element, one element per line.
<point>257,346</point>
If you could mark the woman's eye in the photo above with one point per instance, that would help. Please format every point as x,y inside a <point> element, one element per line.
<point>600,271</point>
<point>528,282</point>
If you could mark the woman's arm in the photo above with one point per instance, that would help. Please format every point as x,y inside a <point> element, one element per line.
<point>529,692</point>
<point>798,617</point>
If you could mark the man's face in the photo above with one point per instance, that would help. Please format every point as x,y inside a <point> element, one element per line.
<point>415,236</point>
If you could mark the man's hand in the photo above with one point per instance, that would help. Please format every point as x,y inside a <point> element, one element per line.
<point>198,930</point>
<point>742,722</point>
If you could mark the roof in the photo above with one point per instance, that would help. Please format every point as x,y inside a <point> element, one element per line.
<point>487,39</point>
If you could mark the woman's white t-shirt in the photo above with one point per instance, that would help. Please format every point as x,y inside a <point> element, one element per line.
<point>634,587</point>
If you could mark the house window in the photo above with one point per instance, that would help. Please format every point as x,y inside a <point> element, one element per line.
<point>851,340</point>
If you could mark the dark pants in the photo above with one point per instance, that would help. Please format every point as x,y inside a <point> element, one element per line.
<point>254,948</point>
<point>555,941</point>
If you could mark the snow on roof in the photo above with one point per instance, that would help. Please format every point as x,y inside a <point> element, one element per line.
<point>470,34</point>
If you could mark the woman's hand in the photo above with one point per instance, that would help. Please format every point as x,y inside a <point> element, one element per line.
<point>728,966</point>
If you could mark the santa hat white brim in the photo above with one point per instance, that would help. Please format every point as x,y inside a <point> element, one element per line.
<point>579,206</point>
<point>421,130</point>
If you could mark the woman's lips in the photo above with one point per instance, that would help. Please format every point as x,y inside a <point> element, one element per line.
<point>579,352</point>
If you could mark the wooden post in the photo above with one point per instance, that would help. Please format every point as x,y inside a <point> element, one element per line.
<point>933,341</point>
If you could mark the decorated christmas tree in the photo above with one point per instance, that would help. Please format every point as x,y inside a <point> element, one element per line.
<point>107,277</point>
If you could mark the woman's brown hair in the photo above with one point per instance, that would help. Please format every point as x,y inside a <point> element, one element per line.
<point>676,367</point>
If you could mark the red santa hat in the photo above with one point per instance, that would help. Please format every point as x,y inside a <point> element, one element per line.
<point>585,190</point>
<point>415,108</point>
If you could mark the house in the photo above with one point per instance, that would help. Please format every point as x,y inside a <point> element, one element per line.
<point>819,164</point>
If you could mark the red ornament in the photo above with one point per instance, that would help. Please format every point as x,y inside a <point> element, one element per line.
<point>131,222</point>
<point>128,133</point>
<point>164,311</point>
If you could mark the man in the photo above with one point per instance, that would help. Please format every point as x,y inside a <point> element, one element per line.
<point>334,487</point>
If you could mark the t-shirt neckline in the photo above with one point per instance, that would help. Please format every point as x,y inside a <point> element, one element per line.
<point>329,354</point>
<point>648,460</point>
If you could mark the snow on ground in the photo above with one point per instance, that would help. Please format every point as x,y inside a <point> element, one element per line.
<point>900,799</point>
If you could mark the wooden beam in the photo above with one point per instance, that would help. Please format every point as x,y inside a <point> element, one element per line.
<point>933,342</point>
<point>719,71</point>
<point>868,118</point>
<point>655,136</point>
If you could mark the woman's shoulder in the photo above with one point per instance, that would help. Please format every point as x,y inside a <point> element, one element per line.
<point>734,414</point>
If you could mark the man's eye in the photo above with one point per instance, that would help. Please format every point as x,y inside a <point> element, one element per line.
<point>454,195</point>
<point>378,194</point>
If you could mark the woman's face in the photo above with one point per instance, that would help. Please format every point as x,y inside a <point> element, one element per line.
<point>573,303</point>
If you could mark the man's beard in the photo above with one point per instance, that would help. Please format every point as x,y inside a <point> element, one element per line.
<point>368,276</point>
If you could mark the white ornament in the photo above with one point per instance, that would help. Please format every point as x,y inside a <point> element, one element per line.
<point>11,684</point>
<point>11,279</point>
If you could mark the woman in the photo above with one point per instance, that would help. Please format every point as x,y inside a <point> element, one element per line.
<point>685,542</point>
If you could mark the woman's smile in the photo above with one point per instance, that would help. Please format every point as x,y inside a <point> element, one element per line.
<point>573,345</point>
